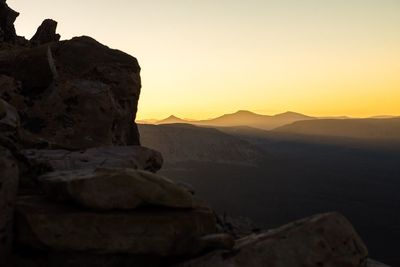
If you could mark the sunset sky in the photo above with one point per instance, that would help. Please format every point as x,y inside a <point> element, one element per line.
<point>203,58</point>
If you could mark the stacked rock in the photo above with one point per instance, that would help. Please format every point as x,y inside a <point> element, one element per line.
<point>88,192</point>
<point>111,211</point>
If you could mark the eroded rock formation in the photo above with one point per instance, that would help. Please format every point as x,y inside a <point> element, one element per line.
<point>75,94</point>
<point>88,195</point>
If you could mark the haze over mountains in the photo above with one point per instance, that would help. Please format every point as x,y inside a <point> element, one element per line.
<point>241,117</point>
<point>377,127</point>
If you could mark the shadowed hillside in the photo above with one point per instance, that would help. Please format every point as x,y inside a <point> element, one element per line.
<point>185,142</point>
<point>297,175</point>
<point>354,128</point>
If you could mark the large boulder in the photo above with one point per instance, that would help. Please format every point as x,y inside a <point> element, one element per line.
<point>8,192</point>
<point>134,157</point>
<point>327,240</point>
<point>76,93</point>
<point>42,225</point>
<point>115,188</point>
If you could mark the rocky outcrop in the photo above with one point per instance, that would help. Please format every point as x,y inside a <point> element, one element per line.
<point>43,225</point>
<point>7,18</point>
<point>67,112</point>
<point>115,188</point>
<point>46,33</point>
<point>323,240</point>
<point>8,193</point>
<point>76,94</point>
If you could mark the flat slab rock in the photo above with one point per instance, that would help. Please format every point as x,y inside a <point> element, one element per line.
<point>135,157</point>
<point>115,188</point>
<point>46,226</point>
<point>327,240</point>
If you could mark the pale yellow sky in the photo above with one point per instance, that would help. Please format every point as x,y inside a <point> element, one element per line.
<point>202,58</point>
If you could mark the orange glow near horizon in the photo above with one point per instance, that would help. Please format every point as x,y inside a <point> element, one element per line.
<point>201,59</point>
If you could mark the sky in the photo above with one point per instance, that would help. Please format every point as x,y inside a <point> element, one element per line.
<point>204,58</point>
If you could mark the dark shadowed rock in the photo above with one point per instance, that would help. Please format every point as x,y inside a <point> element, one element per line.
<point>327,240</point>
<point>42,225</point>
<point>46,33</point>
<point>9,119</point>
<point>11,91</point>
<point>8,192</point>
<point>33,68</point>
<point>115,188</point>
<point>218,241</point>
<point>76,94</point>
<point>9,126</point>
<point>7,18</point>
<point>59,259</point>
<point>134,157</point>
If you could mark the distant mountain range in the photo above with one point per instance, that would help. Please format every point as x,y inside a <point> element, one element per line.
<point>240,118</point>
<point>384,126</point>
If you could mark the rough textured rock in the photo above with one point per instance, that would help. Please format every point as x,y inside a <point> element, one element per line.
<point>76,93</point>
<point>9,126</point>
<point>134,157</point>
<point>46,33</point>
<point>8,192</point>
<point>327,240</point>
<point>7,18</point>
<point>115,188</point>
<point>10,90</point>
<point>9,119</point>
<point>42,225</point>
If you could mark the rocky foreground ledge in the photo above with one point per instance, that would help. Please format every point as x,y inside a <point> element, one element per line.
<point>77,189</point>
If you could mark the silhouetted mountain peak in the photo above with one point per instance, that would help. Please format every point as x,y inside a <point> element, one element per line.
<point>291,114</point>
<point>244,112</point>
<point>171,119</point>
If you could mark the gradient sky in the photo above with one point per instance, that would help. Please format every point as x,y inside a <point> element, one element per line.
<point>202,58</point>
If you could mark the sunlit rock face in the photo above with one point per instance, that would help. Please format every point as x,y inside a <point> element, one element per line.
<point>72,94</point>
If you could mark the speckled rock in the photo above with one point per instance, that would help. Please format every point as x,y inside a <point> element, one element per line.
<point>76,93</point>
<point>115,188</point>
<point>327,240</point>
